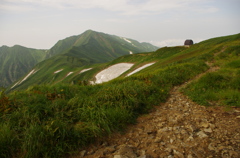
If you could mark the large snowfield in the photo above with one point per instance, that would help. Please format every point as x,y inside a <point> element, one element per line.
<point>140,68</point>
<point>116,70</point>
<point>112,72</point>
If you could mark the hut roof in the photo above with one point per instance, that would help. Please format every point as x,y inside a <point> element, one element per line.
<point>188,42</point>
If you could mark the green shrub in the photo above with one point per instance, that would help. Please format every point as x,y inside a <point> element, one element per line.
<point>8,141</point>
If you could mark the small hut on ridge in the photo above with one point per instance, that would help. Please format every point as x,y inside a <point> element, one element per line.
<point>188,42</point>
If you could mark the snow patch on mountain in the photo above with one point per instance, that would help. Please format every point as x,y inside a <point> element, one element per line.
<point>29,74</point>
<point>112,72</point>
<point>69,74</point>
<point>15,85</point>
<point>140,68</point>
<point>58,71</point>
<point>126,40</point>
<point>84,70</point>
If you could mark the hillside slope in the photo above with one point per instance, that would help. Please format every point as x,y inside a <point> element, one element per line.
<point>16,61</point>
<point>60,120</point>
<point>191,130</point>
<point>99,46</point>
<point>76,53</point>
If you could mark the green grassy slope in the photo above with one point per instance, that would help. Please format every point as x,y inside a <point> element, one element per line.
<point>221,87</point>
<point>111,45</point>
<point>61,46</point>
<point>16,61</point>
<point>78,52</point>
<point>56,120</point>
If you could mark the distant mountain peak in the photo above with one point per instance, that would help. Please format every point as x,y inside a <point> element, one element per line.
<point>82,50</point>
<point>89,37</point>
<point>89,30</point>
<point>18,46</point>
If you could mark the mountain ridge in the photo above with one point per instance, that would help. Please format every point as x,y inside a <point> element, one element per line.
<point>83,39</point>
<point>68,62</point>
<point>102,47</point>
<point>88,48</point>
<point>16,61</point>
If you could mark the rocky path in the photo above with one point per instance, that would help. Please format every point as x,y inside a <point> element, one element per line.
<point>178,128</point>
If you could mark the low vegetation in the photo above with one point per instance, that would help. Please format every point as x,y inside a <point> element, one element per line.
<point>221,87</point>
<point>56,120</point>
<point>48,121</point>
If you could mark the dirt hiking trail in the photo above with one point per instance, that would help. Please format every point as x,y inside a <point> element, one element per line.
<point>178,128</point>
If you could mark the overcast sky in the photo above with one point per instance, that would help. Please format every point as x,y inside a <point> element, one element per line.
<point>41,23</point>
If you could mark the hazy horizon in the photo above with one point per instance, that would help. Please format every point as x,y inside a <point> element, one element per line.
<point>40,24</point>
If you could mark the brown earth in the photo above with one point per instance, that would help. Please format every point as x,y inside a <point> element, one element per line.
<point>178,128</point>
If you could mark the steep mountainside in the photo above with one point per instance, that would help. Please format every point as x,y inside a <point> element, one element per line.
<point>77,52</point>
<point>101,45</point>
<point>16,61</point>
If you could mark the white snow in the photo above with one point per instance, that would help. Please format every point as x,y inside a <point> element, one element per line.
<point>29,74</point>
<point>140,68</point>
<point>69,74</point>
<point>126,40</point>
<point>130,52</point>
<point>134,45</point>
<point>84,70</point>
<point>15,84</point>
<point>112,72</point>
<point>58,71</point>
<point>92,82</point>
